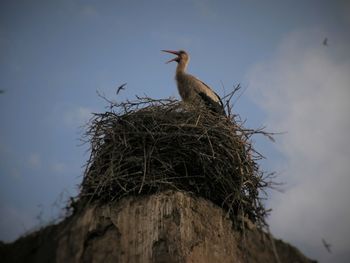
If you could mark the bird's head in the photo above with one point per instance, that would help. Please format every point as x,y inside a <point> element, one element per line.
<point>182,56</point>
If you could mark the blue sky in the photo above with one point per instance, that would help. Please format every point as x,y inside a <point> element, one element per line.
<point>54,55</point>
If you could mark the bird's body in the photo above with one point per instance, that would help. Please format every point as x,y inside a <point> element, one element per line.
<point>327,245</point>
<point>192,90</point>
<point>325,42</point>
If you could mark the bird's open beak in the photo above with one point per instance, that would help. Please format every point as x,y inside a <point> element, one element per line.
<point>172,52</point>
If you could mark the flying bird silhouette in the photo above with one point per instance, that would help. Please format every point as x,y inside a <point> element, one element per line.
<point>325,42</point>
<point>192,90</point>
<point>121,87</point>
<point>327,245</point>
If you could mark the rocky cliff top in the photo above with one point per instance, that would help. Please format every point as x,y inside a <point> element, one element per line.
<point>164,227</point>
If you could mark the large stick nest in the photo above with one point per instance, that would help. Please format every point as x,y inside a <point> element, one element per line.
<point>147,146</point>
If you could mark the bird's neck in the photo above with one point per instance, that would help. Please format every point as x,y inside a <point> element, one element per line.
<point>181,68</point>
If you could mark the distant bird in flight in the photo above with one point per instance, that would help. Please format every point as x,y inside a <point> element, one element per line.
<point>121,87</point>
<point>325,42</point>
<point>327,245</point>
<point>191,89</point>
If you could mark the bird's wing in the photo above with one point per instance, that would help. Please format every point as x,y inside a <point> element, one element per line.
<point>210,98</point>
<point>121,87</point>
<point>214,96</point>
<point>327,245</point>
<point>211,104</point>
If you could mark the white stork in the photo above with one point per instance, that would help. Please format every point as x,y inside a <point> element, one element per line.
<point>191,89</point>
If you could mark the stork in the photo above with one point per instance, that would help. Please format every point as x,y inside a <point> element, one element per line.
<point>192,90</point>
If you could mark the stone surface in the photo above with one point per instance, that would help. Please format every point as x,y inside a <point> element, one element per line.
<point>166,227</point>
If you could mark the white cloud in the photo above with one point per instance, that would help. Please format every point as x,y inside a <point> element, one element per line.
<point>15,173</point>
<point>78,116</point>
<point>34,161</point>
<point>89,11</point>
<point>180,41</point>
<point>205,8</point>
<point>305,91</point>
<point>58,167</point>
